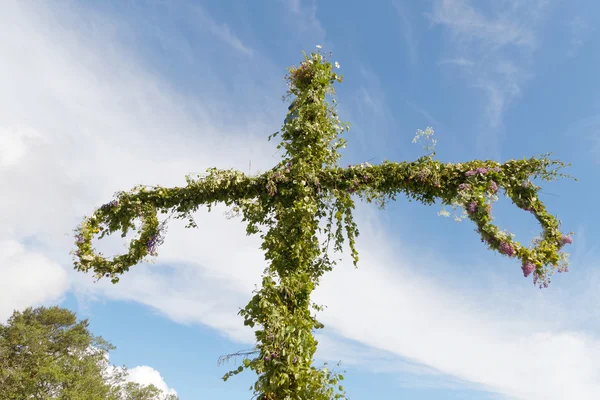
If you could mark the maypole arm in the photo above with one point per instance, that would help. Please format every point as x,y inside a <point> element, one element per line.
<point>472,185</point>
<point>143,204</point>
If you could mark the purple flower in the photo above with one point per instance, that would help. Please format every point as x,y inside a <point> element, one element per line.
<point>563,268</point>
<point>79,238</point>
<point>493,187</point>
<point>155,240</point>
<point>266,358</point>
<point>471,207</point>
<point>295,360</point>
<point>506,248</point>
<point>273,355</point>
<point>114,203</point>
<point>478,171</point>
<point>566,239</point>
<point>528,268</point>
<point>464,186</point>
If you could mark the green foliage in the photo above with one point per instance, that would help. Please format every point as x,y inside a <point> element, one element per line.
<point>286,205</point>
<point>135,391</point>
<point>46,354</point>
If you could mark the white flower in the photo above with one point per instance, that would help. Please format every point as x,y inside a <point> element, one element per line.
<point>337,64</point>
<point>319,46</point>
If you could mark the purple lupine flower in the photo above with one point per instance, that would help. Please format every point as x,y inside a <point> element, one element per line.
<point>528,268</point>
<point>464,186</point>
<point>506,248</point>
<point>472,207</point>
<point>493,187</point>
<point>566,239</point>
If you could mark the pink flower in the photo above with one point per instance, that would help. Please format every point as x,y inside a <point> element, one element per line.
<point>528,268</point>
<point>506,248</point>
<point>566,240</point>
<point>471,207</point>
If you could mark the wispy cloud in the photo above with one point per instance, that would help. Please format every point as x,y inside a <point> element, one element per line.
<point>407,28</point>
<point>461,61</point>
<point>494,48</point>
<point>372,106</point>
<point>303,16</point>
<point>221,31</point>
<point>468,24</point>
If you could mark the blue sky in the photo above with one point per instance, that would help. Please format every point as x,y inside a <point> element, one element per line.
<point>98,97</point>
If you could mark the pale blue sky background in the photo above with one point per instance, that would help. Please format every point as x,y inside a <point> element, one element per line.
<point>97,97</point>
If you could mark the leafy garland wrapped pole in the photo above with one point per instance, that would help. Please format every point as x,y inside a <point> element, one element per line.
<point>286,205</point>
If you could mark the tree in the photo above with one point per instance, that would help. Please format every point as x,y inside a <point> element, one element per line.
<point>135,391</point>
<point>287,205</point>
<point>46,354</point>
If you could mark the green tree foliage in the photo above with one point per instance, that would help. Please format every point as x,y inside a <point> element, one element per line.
<point>45,353</point>
<point>135,391</point>
<point>305,196</point>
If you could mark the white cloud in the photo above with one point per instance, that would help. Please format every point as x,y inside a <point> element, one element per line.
<point>112,125</point>
<point>146,375</point>
<point>469,24</point>
<point>495,48</point>
<point>29,279</point>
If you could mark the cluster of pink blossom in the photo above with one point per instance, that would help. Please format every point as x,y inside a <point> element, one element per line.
<point>481,171</point>
<point>528,268</point>
<point>506,248</point>
<point>472,207</point>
